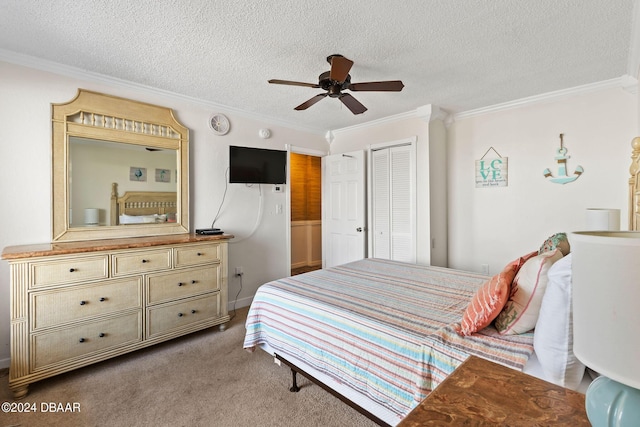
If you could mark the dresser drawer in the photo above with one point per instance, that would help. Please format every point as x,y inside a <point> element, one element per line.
<point>82,340</point>
<point>55,307</point>
<point>140,261</point>
<point>69,270</point>
<point>196,254</point>
<point>167,317</point>
<point>182,283</point>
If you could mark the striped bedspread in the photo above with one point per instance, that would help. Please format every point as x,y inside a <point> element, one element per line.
<point>382,328</point>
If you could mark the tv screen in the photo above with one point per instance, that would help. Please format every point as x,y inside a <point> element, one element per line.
<point>257,165</point>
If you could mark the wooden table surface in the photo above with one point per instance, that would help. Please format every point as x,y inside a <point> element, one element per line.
<point>480,392</point>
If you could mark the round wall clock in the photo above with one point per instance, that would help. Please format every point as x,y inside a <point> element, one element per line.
<point>219,124</point>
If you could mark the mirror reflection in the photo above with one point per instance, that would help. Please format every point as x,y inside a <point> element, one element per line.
<point>96,165</point>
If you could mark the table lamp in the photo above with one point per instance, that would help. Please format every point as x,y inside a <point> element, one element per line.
<point>606,322</point>
<point>91,216</point>
<point>599,219</point>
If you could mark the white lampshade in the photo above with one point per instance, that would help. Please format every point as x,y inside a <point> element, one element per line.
<point>606,293</point>
<point>603,219</point>
<point>91,216</point>
<point>606,303</point>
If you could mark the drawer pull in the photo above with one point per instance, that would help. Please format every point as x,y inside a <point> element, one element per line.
<point>193,282</point>
<point>180,284</point>
<point>180,314</point>
<point>83,302</point>
<point>145,260</point>
<point>102,334</point>
<point>199,254</point>
<point>71,270</point>
<point>102,299</point>
<point>193,312</point>
<point>81,340</point>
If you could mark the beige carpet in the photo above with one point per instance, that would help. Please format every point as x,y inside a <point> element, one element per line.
<point>204,379</point>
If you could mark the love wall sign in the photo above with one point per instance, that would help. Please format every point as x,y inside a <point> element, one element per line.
<point>492,172</point>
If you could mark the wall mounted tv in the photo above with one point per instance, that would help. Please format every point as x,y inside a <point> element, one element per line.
<point>257,165</point>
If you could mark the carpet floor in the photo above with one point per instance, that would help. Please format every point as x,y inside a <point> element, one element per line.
<point>203,379</point>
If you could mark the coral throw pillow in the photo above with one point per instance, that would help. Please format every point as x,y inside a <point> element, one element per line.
<point>521,311</point>
<point>489,300</point>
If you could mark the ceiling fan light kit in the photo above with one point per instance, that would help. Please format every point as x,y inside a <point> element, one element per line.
<point>338,79</point>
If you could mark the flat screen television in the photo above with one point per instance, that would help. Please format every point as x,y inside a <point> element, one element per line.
<point>257,165</point>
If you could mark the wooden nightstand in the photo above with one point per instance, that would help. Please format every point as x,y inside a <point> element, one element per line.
<point>480,392</point>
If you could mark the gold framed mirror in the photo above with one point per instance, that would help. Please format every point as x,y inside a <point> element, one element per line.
<point>120,169</point>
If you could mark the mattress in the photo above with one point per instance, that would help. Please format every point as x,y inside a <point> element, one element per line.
<point>381,331</point>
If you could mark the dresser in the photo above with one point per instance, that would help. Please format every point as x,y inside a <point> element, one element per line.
<point>77,303</point>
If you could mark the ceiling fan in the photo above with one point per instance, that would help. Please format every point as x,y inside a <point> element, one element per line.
<point>338,79</point>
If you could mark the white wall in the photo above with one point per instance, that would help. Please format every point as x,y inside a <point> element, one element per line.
<point>496,225</point>
<point>25,175</point>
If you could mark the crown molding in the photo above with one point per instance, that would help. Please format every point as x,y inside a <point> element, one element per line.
<point>431,112</point>
<point>77,73</point>
<point>377,122</point>
<point>626,82</point>
<point>426,113</point>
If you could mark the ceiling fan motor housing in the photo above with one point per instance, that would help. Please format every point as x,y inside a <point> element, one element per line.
<point>331,86</point>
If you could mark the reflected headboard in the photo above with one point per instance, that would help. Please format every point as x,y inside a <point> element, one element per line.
<point>634,186</point>
<point>141,203</point>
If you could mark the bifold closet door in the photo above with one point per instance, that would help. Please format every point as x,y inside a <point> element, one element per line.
<point>393,207</point>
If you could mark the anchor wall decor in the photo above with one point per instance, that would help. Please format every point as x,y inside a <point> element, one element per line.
<point>562,176</point>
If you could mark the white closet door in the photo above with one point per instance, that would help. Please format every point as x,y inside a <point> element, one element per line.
<point>381,204</point>
<point>393,181</point>
<point>401,205</point>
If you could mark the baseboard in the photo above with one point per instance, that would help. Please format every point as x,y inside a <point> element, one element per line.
<point>239,303</point>
<point>4,363</point>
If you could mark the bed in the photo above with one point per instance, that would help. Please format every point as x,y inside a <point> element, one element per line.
<point>380,334</point>
<point>138,207</point>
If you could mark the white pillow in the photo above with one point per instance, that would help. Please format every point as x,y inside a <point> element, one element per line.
<point>130,219</point>
<point>139,219</point>
<point>521,311</point>
<point>553,337</point>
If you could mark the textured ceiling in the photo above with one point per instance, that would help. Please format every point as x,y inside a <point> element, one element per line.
<point>458,55</point>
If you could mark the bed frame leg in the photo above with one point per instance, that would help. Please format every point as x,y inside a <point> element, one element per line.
<point>294,388</point>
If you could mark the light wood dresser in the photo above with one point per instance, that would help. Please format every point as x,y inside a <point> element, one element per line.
<point>77,303</point>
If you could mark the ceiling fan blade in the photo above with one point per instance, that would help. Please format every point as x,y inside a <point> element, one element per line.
<point>340,67</point>
<point>310,102</point>
<point>386,86</point>
<point>288,82</point>
<point>352,104</point>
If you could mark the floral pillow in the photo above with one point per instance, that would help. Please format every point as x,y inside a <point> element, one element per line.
<point>556,241</point>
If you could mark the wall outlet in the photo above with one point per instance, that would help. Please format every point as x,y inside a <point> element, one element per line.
<point>278,188</point>
<point>239,271</point>
<point>485,269</point>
